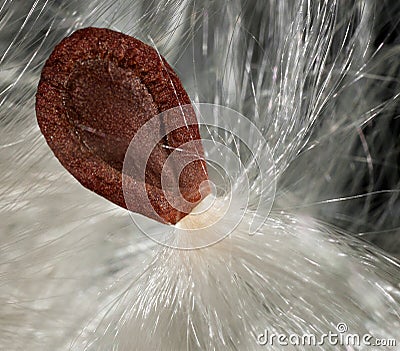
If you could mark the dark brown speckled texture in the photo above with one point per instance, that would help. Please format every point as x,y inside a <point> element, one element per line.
<point>96,90</point>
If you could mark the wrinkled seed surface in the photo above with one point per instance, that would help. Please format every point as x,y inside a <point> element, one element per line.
<point>96,90</point>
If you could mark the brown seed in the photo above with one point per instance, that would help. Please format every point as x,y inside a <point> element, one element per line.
<point>96,90</point>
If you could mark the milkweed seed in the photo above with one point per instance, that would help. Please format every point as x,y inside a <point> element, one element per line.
<point>96,90</point>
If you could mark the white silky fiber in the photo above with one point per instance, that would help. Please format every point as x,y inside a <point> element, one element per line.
<point>320,82</point>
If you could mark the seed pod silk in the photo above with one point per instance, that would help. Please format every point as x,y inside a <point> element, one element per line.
<point>96,90</point>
